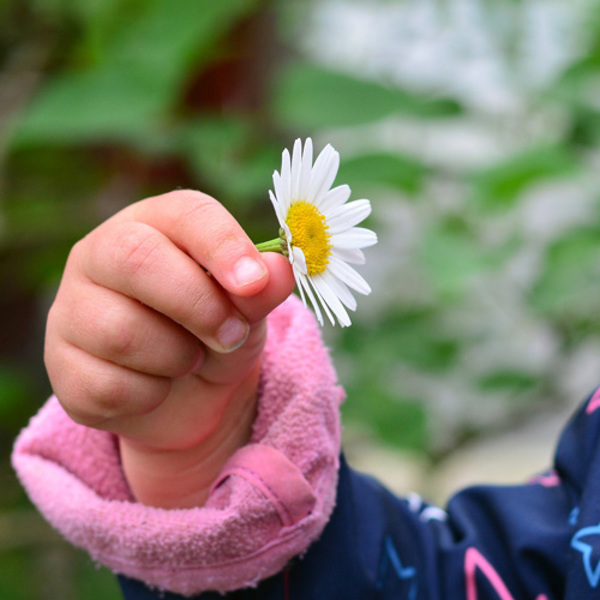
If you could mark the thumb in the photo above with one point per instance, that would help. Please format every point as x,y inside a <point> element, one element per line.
<point>279,286</point>
<point>229,368</point>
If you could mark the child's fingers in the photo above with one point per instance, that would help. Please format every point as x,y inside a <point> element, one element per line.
<point>220,368</point>
<point>121,330</point>
<point>138,261</point>
<point>99,391</point>
<point>192,412</point>
<point>205,230</point>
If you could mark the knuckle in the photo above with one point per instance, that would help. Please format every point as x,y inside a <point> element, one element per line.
<point>225,242</point>
<point>92,398</point>
<point>111,331</point>
<point>110,399</point>
<point>107,396</point>
<point>76,251</point>
<point>137,249</point>
<point>97,392</point>
<point>83,417</point>
<point>54,315</point>
<point>82,413</point>
<point>199,206</point>
<point>120,332</point>
<point>80,247</point>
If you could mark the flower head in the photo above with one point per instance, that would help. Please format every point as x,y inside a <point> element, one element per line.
<point>319,230</point>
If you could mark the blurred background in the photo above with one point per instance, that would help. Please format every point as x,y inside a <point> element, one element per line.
<point>473,127</point>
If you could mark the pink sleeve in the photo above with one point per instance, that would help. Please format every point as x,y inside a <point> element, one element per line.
<point>272,499</point>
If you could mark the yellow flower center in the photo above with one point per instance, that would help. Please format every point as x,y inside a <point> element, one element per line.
<point>310,233</point>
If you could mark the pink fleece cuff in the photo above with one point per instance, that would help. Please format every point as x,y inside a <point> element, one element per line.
<point>272,499</point>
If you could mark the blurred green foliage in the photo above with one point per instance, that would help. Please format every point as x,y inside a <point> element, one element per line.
<point>502,184</point>
<point>310,97</point>
<point>108,101</point>
<point>567,292</point>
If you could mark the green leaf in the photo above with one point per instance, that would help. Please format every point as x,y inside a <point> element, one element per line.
<point>228,155</point>
<point>81,10</point>
<point>128,94</point>
<point>389,170</point>
<point>576,82</point>
<point>510,381</point>
<point>569,287</point>
<point>398,422</point>
<point>108,104</point>
<point>168,35</point>
<point>501,184</point>
<point>413,338</point>
<point>451,257</point>
<point>311,97</point>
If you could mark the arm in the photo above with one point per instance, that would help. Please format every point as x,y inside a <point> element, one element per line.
<point>159,452</point>
<point>263,513</point>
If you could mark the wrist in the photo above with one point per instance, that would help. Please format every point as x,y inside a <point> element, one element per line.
<point>182,477</point>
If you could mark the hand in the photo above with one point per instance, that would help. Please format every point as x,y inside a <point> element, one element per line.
<point>156,335</point>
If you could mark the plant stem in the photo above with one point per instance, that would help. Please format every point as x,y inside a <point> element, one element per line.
<point>271,246</point>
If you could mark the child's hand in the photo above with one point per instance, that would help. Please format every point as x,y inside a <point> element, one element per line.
<point>156,335</point>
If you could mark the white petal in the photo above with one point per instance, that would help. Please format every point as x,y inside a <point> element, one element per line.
<point>278,209</point>
<point>357,237</point>
<point>303,281</point>
<point>287,232</point>
<point>348,215</point>
<point>340,289</point>
<point>305,170</point>
<point>305,284</point>
<point>348,275</point>
<point>278,188</point>
<point>333,198</point>
<point>298,277</point>
<point>296,168</point>
<point>298,260</point>
<point>286,180</point>
<point>322,302</point>
<point>324,172</point>
<point>354,256</point>
<point>328,298</point>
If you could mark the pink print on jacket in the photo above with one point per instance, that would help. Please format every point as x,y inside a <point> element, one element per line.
<point>475,561</point>
<point>594,402</point>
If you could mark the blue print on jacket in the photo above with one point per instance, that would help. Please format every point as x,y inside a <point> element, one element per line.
<point>587,541</point>
<point>390,557</point>
<point>535,541</point>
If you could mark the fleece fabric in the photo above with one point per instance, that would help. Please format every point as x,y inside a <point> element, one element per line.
<point>271,501</point>
<point>536,541</point>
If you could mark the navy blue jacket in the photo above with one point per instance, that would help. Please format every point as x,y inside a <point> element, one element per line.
<point>537,541</point>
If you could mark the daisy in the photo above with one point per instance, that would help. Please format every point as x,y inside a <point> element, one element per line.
<point>318,231</point>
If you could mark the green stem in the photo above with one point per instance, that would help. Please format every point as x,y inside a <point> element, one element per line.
<point>271,246</point>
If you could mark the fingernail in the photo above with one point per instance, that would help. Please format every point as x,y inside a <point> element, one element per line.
<point>247,270</point>
<point>232,334</point>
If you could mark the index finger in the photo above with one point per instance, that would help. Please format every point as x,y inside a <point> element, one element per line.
<point>204,229</point>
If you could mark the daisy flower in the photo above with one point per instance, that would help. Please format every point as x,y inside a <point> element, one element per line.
<point>318,231</point>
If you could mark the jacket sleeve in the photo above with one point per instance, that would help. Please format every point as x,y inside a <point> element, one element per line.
<point>535,541</point>
<point>271,500</point>
<point>269,529</point>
